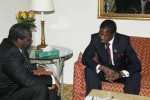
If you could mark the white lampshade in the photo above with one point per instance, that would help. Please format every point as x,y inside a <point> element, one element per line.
<point>42,5</point>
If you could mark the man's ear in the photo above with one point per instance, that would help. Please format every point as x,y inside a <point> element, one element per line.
<point>19,42</point>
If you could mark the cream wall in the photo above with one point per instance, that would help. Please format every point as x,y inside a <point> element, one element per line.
<point>70,26</point>
<point>8,9</point>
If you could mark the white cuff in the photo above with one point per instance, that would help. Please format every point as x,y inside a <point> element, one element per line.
<point>126,73</point>
<point>97,68</point>
<point>53,79</point>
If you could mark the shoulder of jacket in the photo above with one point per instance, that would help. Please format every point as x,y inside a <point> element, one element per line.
<point>94,35</point>
<point>122,36</point>
<point>12,52</point>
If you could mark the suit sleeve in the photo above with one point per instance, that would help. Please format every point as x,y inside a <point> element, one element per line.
<point>16,70</point>
<point>88,56</point>
<point>134,63</point>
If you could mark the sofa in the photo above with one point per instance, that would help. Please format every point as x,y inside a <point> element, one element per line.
<point>142,47</point>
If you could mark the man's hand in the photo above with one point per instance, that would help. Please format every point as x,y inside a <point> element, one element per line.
<point>42,71</point>
<point>110,74</point>
<point>114,77</point>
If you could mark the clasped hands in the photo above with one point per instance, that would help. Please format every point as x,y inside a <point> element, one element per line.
<point>42,71</point>
<point>110,74</point>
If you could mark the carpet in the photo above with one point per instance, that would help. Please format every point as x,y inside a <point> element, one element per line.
<point>68,88</point>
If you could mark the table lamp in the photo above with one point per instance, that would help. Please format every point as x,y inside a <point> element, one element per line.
<point>42,7</point>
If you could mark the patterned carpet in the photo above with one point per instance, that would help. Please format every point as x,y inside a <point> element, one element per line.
<point>67,92</point>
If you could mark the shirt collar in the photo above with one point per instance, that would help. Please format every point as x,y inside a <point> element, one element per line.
<point>111,41</point>
<point>20,50</point>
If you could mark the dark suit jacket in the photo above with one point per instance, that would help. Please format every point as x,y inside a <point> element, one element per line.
<point>125,57</point>
<point>16,70</point>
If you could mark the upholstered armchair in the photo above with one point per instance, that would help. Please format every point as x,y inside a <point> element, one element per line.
<point>142,48</point>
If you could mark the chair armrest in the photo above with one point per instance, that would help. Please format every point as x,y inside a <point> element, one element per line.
<point>79,86</point>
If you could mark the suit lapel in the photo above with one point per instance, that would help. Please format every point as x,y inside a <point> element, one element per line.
<point>115,48</point>
<point>101,49</point>
<point>20,53</point>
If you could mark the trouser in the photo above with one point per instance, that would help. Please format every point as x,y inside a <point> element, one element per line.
<point>53,95</point>
<point>36,92</point>
<point>93,81</point>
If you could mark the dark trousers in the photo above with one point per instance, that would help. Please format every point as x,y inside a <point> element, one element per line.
<point>93,81</point>
<point>36,92</point>
<point>53,95</point>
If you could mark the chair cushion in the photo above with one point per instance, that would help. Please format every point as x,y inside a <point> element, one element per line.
<point>118,87</point>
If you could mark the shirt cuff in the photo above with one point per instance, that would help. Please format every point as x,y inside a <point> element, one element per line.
<point>53,79</point>
<point>125,73</point>
<point>53,76</point>
<point>97,68</point>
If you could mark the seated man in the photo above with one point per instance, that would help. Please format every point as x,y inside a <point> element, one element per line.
<point>110,57</point>
<point>19,79</point>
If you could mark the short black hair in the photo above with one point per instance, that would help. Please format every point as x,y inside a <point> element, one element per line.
<point>19,30</point>
<point>110,24</point>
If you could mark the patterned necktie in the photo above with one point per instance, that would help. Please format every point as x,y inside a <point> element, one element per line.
<point>108,53</point>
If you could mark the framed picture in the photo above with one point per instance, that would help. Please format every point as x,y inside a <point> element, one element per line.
<point>124,9</point>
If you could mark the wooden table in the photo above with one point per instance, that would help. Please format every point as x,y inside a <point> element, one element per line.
<point>113,96</point>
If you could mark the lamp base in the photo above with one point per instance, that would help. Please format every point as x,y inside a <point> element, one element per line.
<point>41,46</point>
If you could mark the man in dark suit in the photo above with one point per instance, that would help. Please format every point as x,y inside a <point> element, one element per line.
<point>17,79</point>
<point>110,57</point>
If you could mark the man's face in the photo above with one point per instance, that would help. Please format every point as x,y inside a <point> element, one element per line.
<point>105,35</point>
<point>26,42</point>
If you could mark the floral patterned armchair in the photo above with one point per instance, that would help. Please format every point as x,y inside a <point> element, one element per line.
<point>141,46</point>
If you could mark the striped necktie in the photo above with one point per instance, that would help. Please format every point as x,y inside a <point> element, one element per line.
<point>108,53</point>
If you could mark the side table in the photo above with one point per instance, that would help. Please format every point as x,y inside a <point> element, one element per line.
<point>64,54</point>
